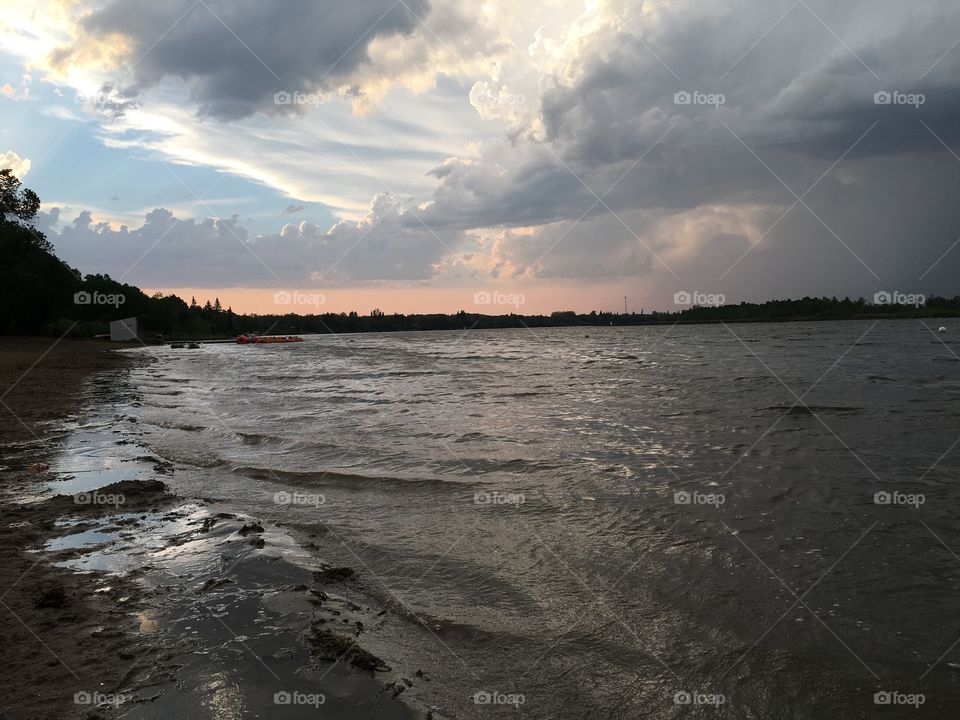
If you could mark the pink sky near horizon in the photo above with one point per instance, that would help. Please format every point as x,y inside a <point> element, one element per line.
<point>534,299</point>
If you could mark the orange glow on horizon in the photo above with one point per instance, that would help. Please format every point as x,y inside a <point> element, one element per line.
<point>529,299</point>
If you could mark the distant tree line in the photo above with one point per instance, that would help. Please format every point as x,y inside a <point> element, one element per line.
<point>42,295</point>
<point>771,311</point>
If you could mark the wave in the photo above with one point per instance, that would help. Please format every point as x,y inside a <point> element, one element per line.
<point>261,439</point>
<point>814,409</point>
<point>171,425</point>
<point>338,477</point>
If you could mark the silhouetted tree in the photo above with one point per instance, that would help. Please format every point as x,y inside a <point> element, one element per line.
<point>18,208</point>
<point>21,203</point>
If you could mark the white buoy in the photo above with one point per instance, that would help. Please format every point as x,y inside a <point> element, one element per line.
<point>941,329</point>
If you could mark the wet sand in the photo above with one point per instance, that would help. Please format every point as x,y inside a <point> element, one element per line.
<point>60,635</point>
<point>40,380</point>
<point>120,599</point>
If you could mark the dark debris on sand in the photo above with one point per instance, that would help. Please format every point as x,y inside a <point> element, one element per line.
<point>333,574</point>
<point>325,644</point>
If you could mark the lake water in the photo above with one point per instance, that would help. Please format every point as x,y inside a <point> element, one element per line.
<point>608,522</point>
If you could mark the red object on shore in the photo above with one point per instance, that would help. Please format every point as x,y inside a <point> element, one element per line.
<point>267,339</point>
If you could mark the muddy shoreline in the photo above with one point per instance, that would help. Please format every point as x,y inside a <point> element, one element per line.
<point>54,622</point>
<point>121,599</point>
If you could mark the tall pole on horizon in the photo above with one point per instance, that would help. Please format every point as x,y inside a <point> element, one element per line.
<point>624,304</point>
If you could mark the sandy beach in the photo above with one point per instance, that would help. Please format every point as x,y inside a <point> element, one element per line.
<point>41,382</point>
<point>120,599</point>
<point>52,620</point>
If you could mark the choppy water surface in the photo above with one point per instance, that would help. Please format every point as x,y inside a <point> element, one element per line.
<point>521,496</point>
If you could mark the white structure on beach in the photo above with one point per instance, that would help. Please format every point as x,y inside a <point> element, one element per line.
<point>125,329</point>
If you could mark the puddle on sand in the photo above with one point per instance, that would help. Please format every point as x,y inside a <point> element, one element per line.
<point>81,539</point>
<point>168,538</point>
<point>79,481</point>
<point>90,458</point>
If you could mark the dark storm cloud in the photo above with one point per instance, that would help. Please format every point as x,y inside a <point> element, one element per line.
<point>238,54</point>
<point>802,98</point>
<point>798,99</point>
<point>799,88</point>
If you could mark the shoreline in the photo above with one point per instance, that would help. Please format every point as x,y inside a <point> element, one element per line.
<point>122,599</point>
<point>50,618</point>
<point>642,323</point>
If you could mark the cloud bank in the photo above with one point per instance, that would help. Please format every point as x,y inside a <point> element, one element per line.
<point>755,148</point>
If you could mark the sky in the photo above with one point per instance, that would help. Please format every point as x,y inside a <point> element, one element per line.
<point>491,156</point>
